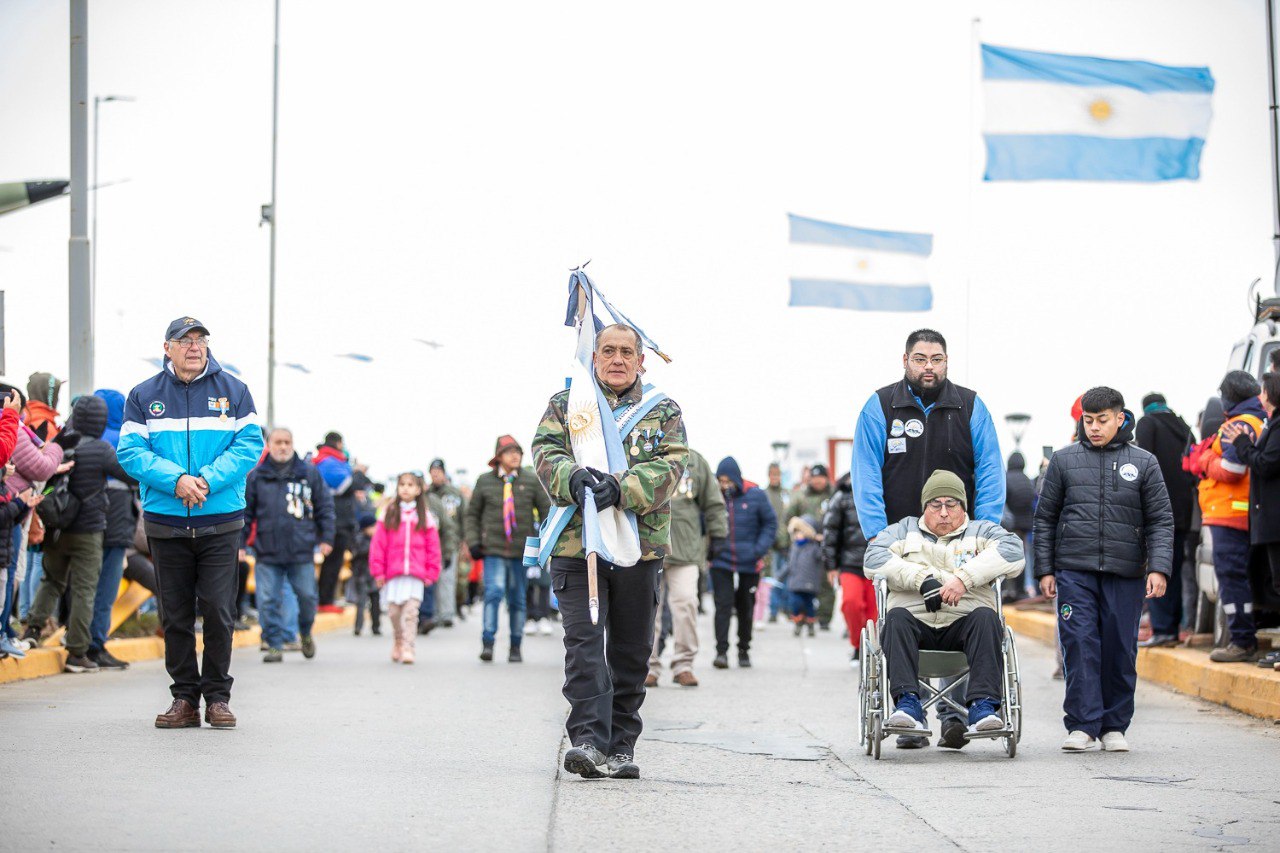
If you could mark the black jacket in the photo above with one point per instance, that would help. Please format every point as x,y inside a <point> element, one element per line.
<point>1167,436</point>
<point>1263,459</point>
<point>11,512</point>
<point>843,544</point>
<point>293,509</point>
<point>1019,495</point>
<point>95,461</point>
<point>122,515</point>
<point>1104,510</point>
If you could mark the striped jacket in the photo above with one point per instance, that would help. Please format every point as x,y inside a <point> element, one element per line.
<point>206,428</point>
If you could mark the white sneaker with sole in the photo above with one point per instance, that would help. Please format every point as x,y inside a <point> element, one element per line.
<point>1079,742</point>
<point>989,723</point>
<point>544,627</point>
<point>903,720</point>
<point>1114,742</point>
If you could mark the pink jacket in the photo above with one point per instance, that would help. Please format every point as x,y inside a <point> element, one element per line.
<point>34,463</point>
<point>406,550</point>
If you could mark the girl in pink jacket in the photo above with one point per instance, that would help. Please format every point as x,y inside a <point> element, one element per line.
<point>404,559</point>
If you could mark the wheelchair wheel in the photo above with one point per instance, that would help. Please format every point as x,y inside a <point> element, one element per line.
<point>1013,680</point>
<point>1011,745</point>
<point>877,735</point>
<point>864,693</point>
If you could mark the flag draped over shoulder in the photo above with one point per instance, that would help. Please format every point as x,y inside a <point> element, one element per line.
<point>858,269</point>
<point>1052,116</point>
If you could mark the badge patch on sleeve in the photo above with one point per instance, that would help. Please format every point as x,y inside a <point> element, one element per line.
<point>897,445</point>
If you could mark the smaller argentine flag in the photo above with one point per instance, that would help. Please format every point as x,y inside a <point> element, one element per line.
<point>857,269</point>
<point>1052,116</point>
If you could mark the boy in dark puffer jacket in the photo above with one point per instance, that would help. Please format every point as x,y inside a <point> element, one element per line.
<point>1103,521</point>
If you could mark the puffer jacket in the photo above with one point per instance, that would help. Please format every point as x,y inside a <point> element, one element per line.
<point>95,461</point>
<point>752,523</point>
<point>34,460</point>
<point>122,503</point>
<point>12,511</point>
<point>843,545</point>
<point>976,552</point>
<point>803,572</point>
<point>1104,509</point>
<point>406,550</point>
<point>1019,494</point>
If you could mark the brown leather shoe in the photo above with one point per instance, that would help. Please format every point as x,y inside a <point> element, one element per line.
<point>651,680</point>
<point>218,715</point>
<point>685,679</point>
<point>181,715</point>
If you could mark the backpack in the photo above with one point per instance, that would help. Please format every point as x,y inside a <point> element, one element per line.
<point>60,507</point>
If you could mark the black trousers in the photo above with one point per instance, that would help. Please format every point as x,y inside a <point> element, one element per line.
<point>733,600</point>
<point>605,665</point>
<point>978,635</point>
<point>537,601</point>
<point>332,566</point>
<point>205,570</point>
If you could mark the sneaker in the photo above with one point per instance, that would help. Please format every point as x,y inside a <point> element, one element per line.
<point>686,679</point>
<point>1266,662</point>
<point>953,734</point>
<point>1079,742</point>
<point>799,628</point>
<point>721,661</point>
<point>11,647</point>
<point>907,714</point>
<point>587,762</point>
<point>273,656</point>
<point>1234,654</point>
<point>486,654</point>
<point>651,680</point>
<point>810,627</point>
<point>1155,641</point>
<point>744,660</point>
<point>292,646</point>
<point>1114,742</point>
<point>854,661</point>
<point>262,646</point>
<point>623,766</point>
<point>240,625</point>
<point>773,617</point>
<point>426,626</point>
<point>911,742</point>
<point>32,636</point>
<point>105,660</point>
<point>825,627</point>
<point>80,663</point>
<point>308,647</point>
<point>544,627</point>
<point>983,717</point>
<point>758,626</point>
<point>514,655</point>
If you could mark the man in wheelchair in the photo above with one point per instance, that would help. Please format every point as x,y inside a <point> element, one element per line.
<point>939,569</point>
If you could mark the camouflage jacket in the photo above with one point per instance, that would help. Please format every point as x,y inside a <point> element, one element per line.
<point>807,501</point>
<point>647,485</point>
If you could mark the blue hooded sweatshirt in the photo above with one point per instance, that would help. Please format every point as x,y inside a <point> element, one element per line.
<point>752,523</point>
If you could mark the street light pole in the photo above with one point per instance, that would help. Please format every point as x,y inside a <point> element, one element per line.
<point>80,289</point>
<point>98,100</point>
<point>269,217</point>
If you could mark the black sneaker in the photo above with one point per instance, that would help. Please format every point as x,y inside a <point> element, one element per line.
<point>105,660</point>
<point>721,661</point>
<point>623,766</point>
<point>911,742</point>
<point>486,654</point>
<point>587,762</point>
<point>273,656</point>
<point>514,655</point>
<point>799,628</point>
<point>744,660</point>
<point>80,663</point>
<point>825,627</point>
<point>426,626</point>
<point>952,734</point>
<point>810,626</point>
<point>308,647</point>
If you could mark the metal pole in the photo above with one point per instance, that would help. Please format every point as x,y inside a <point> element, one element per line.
<point>93,240</point>
<point>80,293</point>
<point>271,288</point>
<point>1273,115</point>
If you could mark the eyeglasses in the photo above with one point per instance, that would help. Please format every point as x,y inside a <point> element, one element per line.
<point>921,361</point>
<point>188,343</point>
<point>943,503</point>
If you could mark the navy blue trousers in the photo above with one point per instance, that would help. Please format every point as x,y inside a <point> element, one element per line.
<point>1231,567</point>
<point>1098,618</point>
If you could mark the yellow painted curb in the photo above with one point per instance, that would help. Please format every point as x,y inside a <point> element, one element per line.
<point>1242,686</point>
<point>41,662</point>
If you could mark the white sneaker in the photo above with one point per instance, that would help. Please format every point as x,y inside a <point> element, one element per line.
<point>1079,742</point>
<point>1114,742</point>
<point>989,723</point>
<point>758,626</point>
<point>544,627</point>
<point>903,720</point>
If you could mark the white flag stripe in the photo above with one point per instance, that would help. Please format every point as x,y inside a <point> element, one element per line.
<point>866,266</point>
<point>1024,107</point>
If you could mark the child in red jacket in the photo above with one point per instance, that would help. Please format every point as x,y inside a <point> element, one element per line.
<point>404,559</point>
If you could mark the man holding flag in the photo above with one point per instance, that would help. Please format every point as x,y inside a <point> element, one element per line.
<point>610,452</point>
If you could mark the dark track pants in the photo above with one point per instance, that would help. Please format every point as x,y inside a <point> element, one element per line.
<point>731,600</point>
<point>978,634</point>
<point>1098,617</point>
<point>1231,567</point>
<point>605,665</point>
<point>331,568</point>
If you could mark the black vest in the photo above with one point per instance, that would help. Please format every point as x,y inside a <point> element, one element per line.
<point>916,445</point>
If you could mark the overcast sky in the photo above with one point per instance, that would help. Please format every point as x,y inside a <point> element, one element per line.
<point>442,166</point>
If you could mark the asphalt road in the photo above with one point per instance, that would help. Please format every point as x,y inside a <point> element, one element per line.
<point>350,751</point>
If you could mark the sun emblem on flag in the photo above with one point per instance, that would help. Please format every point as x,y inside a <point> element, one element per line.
<point>1100,109</point>
<point>583,423</point>
<point>863,264</point>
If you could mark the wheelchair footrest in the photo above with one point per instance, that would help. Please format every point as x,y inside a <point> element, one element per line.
<point>994,733</point>
<point>902,730</point>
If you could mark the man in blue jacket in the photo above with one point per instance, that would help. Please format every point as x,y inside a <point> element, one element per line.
<point>190,436</point>
<point>293,510</point>
<point>906,431</point>
<point>735,565</point>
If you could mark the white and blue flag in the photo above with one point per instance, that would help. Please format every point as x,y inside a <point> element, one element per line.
<point>1053,116</point>
<point>858,269</point>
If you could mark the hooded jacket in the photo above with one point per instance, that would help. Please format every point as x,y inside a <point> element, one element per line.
<point>1019,494</point>
<point>95,461</point>
<point>406,550</point>
<point>41,413</point>
<point>292,508</point>
<point>697,512</point>
<point>207,427</point>
<point>803,572</point>
<point>1224,489</point>
<point>1166,436</point>
<point>338,475</point>
<point>122,507</point>
<point>1104,509</point>
<point>843,545</point>
<point>752,523</point>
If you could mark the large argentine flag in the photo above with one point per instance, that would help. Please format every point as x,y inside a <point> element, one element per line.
<point>838,266</point>
<point>1051,116</point>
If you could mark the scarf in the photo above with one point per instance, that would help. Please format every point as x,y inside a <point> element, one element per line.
<point>508,506</point>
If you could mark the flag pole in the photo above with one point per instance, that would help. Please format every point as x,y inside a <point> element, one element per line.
<point>975,42</point>
<point>593,572</point>
<point>1275,139</point>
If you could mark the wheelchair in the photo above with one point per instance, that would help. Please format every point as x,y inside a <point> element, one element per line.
<point>874,700</point>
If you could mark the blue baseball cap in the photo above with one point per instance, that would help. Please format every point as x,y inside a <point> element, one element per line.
<point>182,326</point>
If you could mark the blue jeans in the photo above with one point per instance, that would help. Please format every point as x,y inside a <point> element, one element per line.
<point>778,599</point>
<point>30,582</point>
<point>271,595</point>
<point>804,604</point>
<point>10,585</point>
<point>105,598</point>
<point>504,577</point>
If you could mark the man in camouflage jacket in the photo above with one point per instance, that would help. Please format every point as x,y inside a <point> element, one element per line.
<point>605,690</point>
